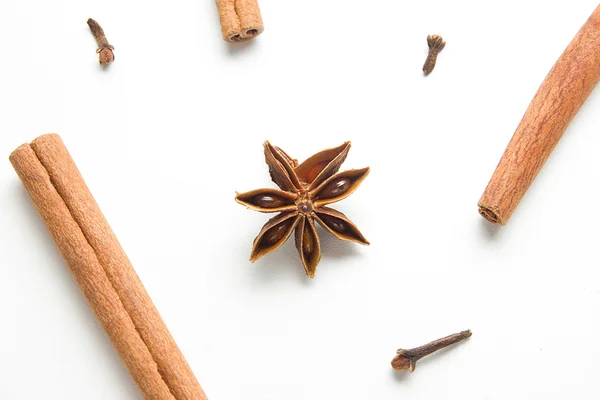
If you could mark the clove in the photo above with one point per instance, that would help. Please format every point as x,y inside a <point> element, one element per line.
<point>105,50</point>
<point>406,359</point>
<point>436,44</point>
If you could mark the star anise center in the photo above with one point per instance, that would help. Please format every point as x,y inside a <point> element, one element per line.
<point>305,206</point>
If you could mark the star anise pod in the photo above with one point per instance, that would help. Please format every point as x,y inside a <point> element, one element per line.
<point>306,190</point>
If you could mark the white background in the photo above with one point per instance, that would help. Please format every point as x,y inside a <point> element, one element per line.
<point>169,132</point>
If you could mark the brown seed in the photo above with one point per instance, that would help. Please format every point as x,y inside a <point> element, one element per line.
<point>268,201</point>
<point>334,223</point>
<point>308,241</point>
<point>277,232</point>
<point>336,188</point>
<point>312,174</point>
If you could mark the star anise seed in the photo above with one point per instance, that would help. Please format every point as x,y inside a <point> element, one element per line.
<point>306,190</point>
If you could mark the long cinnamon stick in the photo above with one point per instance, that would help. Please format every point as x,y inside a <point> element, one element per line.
<point>555,104</point>
<point>240,19</point>
<point>103,271</point>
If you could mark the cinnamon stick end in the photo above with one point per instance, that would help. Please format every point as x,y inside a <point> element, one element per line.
<point>49,140</point>
<point>491,215</point>
<point>240,20</point>
<point>47,137</point>
<point>252,32</point>
<point>17,151</point>
<point>243,35</point>
<point>233,38</point>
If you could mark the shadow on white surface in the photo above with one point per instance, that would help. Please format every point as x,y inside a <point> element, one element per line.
<point>281,264</point>
<point>490,231</point>
<point>400,376</point>
<point>339,254</point>
<point>332,247</point>
<point>238,49</point>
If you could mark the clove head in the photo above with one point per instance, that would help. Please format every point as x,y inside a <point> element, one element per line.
<point>435,43</point>
<point>402,362</point>
<point>106,55</point>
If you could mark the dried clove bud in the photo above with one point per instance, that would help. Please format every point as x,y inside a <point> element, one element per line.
<point>406,359</point>
<point>105,50</point>
<point>436,44</point>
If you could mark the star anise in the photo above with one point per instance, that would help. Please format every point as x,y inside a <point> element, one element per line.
<point>306,190</point>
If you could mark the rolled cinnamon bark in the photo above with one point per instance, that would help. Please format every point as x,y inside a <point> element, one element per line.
<point>555,104</point>
<point>240,19</point>
<point>103,271</point>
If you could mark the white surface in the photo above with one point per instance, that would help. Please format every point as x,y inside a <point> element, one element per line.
<point>168,133</point>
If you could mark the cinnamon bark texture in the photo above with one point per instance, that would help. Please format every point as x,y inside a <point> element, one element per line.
<point>556,103</point>
<point>240,19</point>
<point>103,272</point>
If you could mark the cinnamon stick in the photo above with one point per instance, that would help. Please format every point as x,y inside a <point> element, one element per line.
<point>240,19</point>
<point>103,271</point>
<point>555,104</point>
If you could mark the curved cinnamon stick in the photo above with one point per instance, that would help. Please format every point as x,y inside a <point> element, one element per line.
<point>555,104</point>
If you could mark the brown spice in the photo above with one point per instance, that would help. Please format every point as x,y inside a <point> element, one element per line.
<point>105,50</point>
<point>407,359</point>
<point>436,44</point>
<point>557,101</point>
<point>103,272</point>
<point>240,19</point>
<point>306,189</point>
